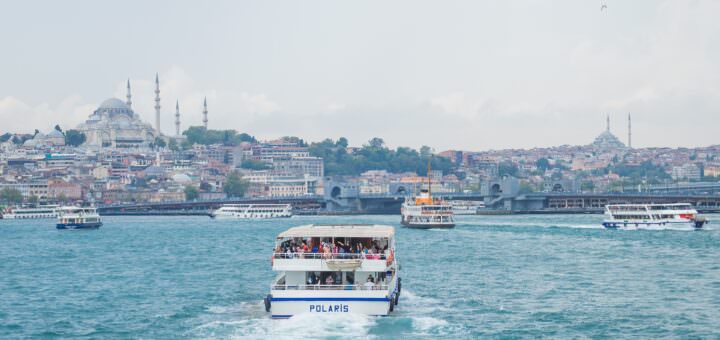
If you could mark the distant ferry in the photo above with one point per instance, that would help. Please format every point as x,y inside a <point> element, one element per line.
<point>652,216</point>
<point>249,211</point>
<point>40,212</point>
<point>424,212</point>
<point>78,218</point>
<point>334,269</point>
<point>466,208</point>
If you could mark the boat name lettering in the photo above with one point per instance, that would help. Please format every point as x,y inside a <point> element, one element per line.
<point>329,308</point>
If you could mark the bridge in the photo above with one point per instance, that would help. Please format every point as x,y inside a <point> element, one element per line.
<point>309,204</point>
<point>390,203</point>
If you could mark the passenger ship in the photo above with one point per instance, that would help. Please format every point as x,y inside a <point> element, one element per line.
<point>466,208</point>
<point>78,218</point>
<point>653,216</point>
<point>242,211</point>
<point>40,212</point>
<point>337,274</point>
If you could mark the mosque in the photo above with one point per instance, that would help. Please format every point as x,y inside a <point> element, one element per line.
<point>115,125</point>
<point>607,141</point>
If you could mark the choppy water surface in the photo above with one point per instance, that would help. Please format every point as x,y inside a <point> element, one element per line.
<point>492,276</point>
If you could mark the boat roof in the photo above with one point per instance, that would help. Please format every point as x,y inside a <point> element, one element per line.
<point>339,230</point>
<point>650,205</point>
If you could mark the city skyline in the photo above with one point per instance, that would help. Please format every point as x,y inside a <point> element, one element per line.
<point>472,76</point>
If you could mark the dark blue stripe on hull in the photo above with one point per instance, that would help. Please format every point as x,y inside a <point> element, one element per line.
<point>79,225</point>
<point>383,299</point>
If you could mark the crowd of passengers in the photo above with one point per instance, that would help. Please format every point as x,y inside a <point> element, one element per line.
<point>315,248</point>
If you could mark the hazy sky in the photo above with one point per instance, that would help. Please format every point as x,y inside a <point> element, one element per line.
<point>471,75</point>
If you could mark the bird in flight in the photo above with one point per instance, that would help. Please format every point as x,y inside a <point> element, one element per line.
<point>603,5</point>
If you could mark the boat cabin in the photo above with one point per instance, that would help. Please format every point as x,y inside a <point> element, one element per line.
<point>334,257</point>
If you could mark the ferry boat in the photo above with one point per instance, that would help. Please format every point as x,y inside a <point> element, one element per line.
<point>40,212</point>
<point>652,216</point>
<point>466,208</point>
<point>242,211</point>
<point>334,269</point>
<point>424,212</point>
<point>78,218</point>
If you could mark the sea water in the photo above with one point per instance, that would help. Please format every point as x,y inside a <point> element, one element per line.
<point>492,276</point>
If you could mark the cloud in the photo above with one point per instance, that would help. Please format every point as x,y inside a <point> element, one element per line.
<point>20,117</point>
<point>227,109</point>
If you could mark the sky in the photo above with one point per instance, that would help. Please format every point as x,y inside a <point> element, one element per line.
<point>469,75</point>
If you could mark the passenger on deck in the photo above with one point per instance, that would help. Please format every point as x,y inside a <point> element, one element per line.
<point>369,284</point>
<point>329,280</point>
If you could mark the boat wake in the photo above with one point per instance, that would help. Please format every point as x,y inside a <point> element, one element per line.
<point>249,321</point>
<point>530,224</point>
<point>423,314</point>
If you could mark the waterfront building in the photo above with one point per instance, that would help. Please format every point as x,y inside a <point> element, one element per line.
<point>688,171</point>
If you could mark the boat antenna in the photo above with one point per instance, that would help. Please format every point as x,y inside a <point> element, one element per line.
<point>428,176</point>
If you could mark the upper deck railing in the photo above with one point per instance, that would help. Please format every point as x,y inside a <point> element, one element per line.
<point>329,287</point>
<point>330,256</point>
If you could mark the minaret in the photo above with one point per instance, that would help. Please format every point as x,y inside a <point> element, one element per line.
<point>205,112</point>
<point>629,132</point>
<point>128,96</point>
<point>608,123</point>
<point>177,118</point>
<point>157,104</point>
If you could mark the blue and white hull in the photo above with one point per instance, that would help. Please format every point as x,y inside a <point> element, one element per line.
<point>654,225</point>
<point>90,225</point>
<point>287,303</point>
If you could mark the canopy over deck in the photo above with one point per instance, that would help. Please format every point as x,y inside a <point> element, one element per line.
<point>339,230</point>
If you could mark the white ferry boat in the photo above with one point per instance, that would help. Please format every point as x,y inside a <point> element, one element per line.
<point>40,212</point>
<point>424,212</point>
<point>334,269</point>
<point>242,211</point>
<point>466,208</point>
<point>652,216</point>
<point>78,218</point>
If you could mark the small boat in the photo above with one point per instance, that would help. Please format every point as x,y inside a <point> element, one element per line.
<point>78,218</point>
<point>653,216</point>
<point>34,213</point>
<point>334,269</point>
<point>250,211</point>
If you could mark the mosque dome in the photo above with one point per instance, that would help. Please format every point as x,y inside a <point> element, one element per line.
<point>114,106</point>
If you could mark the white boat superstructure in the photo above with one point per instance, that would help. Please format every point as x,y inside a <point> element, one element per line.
<point>424,213</point>
<point>331,269</point>
<point>78,218</point>
<point>466,208</point>
<point>40,212</point>
<point>652,216</point>
<point>243,211</point>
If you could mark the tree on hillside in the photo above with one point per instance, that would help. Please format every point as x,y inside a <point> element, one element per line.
<point>5,137</point>
<point>160,142</point>
<point>507,168</point>
<point>542,164</point>
<point>57,127</point>
<point>235,185</point>
<point>254,165</point>
<point>375,156</point>
<point>74,137</point>
<point>203,136</point>
<point>33,199</point>
<point>11,195</point>
<point>191,193</point>
<point>173,145</point>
